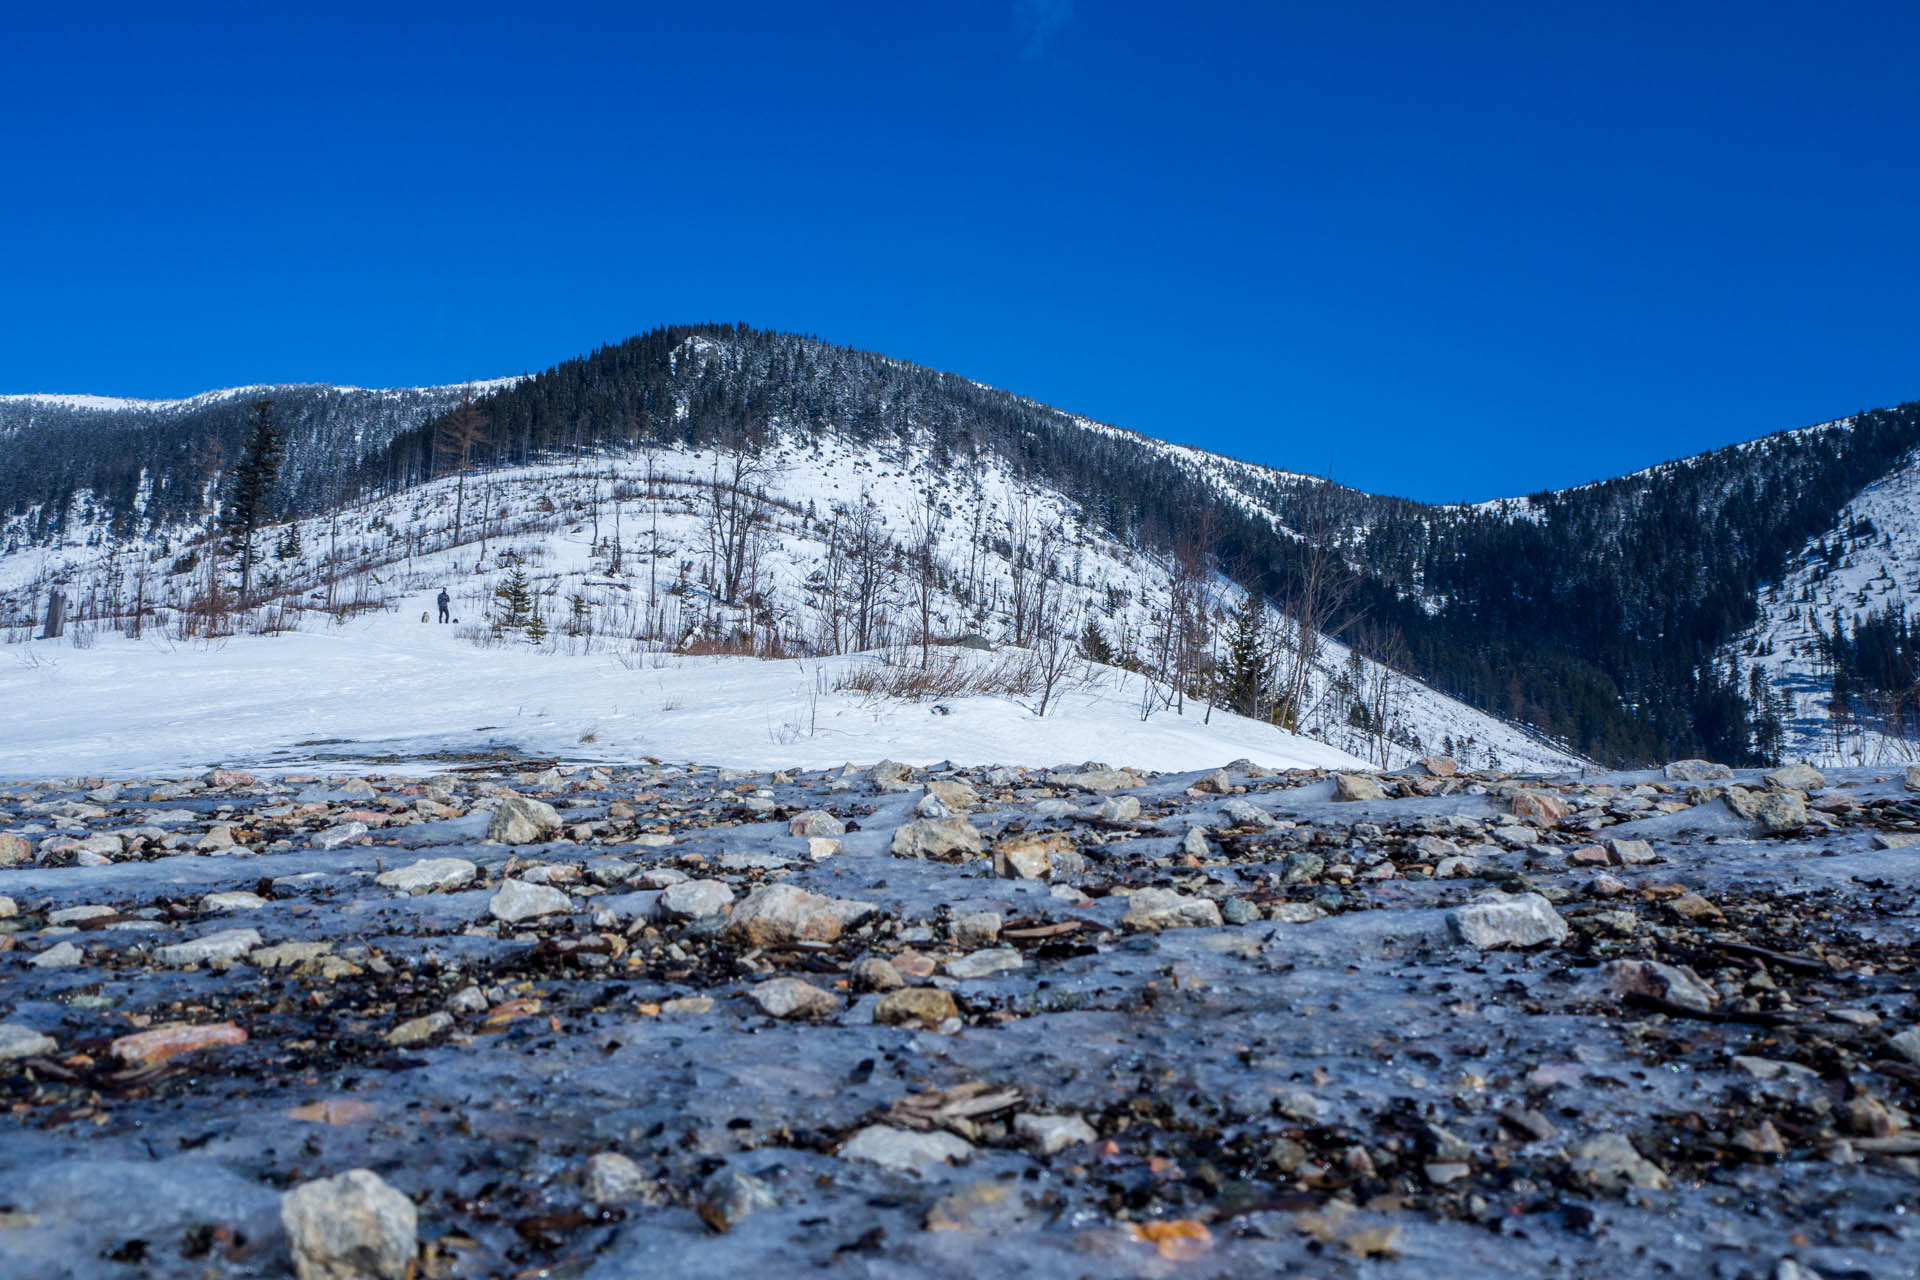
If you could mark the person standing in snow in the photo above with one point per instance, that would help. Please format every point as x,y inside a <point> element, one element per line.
<point>446,605</point>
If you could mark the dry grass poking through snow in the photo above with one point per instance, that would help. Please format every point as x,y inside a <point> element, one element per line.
<point>949,673</point>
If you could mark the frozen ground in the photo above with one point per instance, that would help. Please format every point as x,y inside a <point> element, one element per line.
<point>1310,1054</point>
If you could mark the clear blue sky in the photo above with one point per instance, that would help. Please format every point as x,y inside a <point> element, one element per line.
<point>1449,251</point>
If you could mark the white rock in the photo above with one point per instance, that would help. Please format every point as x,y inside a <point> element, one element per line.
<point>946,839</point>
<point>419,1030</point>
<point>815,822</point>
<point>1356,786</point>
<point>1509,920</point>
<point>344,833</point>
<point>428,875</point>
<point>779,915</point>
<point>517,900</point>
<point>1050,1134</point>
<point>1610,1163</point>
<point>1697,771</point>
<point>975,929</point>
<point>693,899</point>
<point>610,1177</point>
<point>981,964</point>
<point>519,820</point>
<point>233,900</point>
<point>62,955</point>
<point>1165,909</point>
<point>228,944</point>
<point>904,1149</point>
<point>73,915</point>
<point>350,1227</point>
<point>792,998</point>
<point>23,1042</point>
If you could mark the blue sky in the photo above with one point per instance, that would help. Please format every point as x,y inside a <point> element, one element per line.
<point>1449,251</point>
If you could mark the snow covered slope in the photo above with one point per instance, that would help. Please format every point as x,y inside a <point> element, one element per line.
<point>1869,562</point>
<point>386,686</point>
<point>615,551</point>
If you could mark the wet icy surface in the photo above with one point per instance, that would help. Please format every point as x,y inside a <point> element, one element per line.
<point>1334,1082</point>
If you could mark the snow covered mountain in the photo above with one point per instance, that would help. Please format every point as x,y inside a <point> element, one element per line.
<point>721,490</point>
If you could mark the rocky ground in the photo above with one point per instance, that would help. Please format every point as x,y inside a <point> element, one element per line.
<point>891,1021</point>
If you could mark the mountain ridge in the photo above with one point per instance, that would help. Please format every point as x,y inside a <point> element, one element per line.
<point>1598,614</point>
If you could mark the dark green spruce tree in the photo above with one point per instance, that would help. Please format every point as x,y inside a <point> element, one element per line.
<point>250,506</point>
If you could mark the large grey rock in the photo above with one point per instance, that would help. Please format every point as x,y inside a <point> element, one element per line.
<point>1357,786</point>
<point>520,820</point>
<point>14,850</point>
<point>975,929</point>
<point>876,974</point>
<point>1796,777</point>
<point>23,1042</point>
<point>1509,920</point>
<point>350,1227</point>
<point>1671,983</point>
<point>695,899</point>
<point>905,1150</point>
<point>344,833</point>
<point>1782,812</point>
<point>815,822</point>
<point>1907,1044</point>
<point>780,915</point>
<point>941,839</point>
<point>517,900</point>
<point>1630,853</point>
<point>792,998</point>
<point>228,944</point>
<point>61,955</point>
<point>1244,813</point>
<point>1166,909</point>
<point>428,875</point>
<point>1697,771</point>
<point>955,794</point>
<point>91,850</point>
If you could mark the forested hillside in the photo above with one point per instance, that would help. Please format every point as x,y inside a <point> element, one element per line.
<point>143,466</point>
